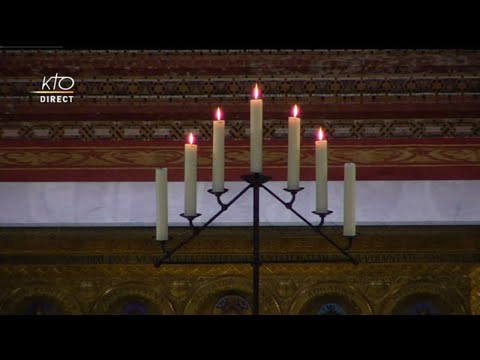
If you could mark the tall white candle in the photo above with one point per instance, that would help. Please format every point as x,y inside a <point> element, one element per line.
<point>349,200</point>
<point>161,189</point>
<point>256,132</point>
<point>321,173</point>
<point>218,156</point>
<point>190,177</point>
<point>294,150</point>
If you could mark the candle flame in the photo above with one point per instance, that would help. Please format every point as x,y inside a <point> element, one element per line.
<point>256,92</point>
<point>320,134</point>
<point>219,114</point>
<point>191,138</point>
<point>295,111</point>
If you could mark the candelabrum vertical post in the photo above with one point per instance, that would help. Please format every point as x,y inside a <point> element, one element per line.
<point>256,248</point>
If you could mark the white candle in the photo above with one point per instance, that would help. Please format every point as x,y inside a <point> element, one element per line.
<point>294,150</point>
<point>321,173</point>
<point>349,200</point>
<point>190,177</point>
<point>218,156</point>
<point>256,132</point>
<point>161,189</point>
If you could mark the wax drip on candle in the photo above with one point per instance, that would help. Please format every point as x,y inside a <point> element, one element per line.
<point>295,111</point>
<point>320,134</point>
<point>191,138</point>
<point>219,114</point>
<point>256,92</point>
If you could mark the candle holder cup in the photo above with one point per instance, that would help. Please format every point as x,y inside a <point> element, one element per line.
<point>190,219</point>
<point>350,240</point>
<point>218,195</point>
<point>322,215</point>
<point>292,192</point>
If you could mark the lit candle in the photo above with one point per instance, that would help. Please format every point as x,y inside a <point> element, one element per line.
<point>294,150</point>
<point>218,156</point>
<point>321,172</point>
<point>349,200</point>
<point>190,177</point>
<point>161,187</point>
<point>256,131</point>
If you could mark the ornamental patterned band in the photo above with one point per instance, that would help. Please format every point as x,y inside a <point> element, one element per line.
<point>398,114</point>
<point>434,159</point>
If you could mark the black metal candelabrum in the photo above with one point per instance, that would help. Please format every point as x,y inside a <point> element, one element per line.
<point>256,181</point>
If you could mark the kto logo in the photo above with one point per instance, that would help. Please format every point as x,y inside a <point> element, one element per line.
<point>55,89</point>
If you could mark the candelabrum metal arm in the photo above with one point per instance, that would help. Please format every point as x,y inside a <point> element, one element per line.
<point>317,229</point>
<point>198,230</point>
